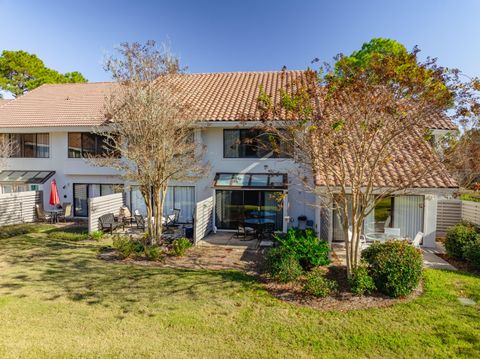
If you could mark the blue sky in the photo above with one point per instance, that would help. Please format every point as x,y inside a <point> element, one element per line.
<point>239,35</point>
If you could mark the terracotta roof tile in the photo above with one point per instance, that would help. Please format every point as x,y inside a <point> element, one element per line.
<point>227,96</point>
<point>412,154</point>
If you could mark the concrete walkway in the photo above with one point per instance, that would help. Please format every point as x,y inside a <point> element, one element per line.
<point>430,259</point>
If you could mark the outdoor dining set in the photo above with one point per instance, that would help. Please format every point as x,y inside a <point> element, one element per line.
<point>388,234</point>
<point>257,224</point>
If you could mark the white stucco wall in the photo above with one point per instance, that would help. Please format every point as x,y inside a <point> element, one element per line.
<point>67,170</point>
<point>300,201</point>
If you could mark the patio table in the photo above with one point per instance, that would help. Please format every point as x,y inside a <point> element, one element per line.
<point>379,236</point>
<point>263,214</point>
<point>257,223</point>
<point>54,215</point>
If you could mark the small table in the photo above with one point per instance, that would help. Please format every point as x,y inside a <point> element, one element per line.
<point>54,215</point>
<point>379,237</point>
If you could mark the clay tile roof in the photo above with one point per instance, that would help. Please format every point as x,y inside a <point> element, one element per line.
<point>57,106</point>
<point>4,101</point>
<point>225,96</point>
<point>411,155</point>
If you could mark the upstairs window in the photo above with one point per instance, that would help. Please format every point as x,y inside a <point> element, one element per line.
<point>86,144</point>
<point>28,145</point>
<point>253,143</point>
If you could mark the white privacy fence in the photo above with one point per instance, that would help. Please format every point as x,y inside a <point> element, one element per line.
<point>203,224</point>
<point>471,212</point>
<point>19,207</point>
<point>453,211</point>
<point>98,206</point>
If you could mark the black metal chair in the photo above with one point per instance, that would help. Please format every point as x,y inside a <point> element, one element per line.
<point>140,221</point>
<point>267,230</point>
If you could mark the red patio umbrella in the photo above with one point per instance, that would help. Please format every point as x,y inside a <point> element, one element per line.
<point>54,197</point>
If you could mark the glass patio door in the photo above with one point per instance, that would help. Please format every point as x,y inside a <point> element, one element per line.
<point>234,206</point>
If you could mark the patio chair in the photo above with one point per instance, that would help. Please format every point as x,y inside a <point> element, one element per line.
<point>172,220</point>
<point>126,215</point>
<point>140,221</point>
<point>418,240</point>
<point>67,212</point>
<point>244,231</point>
<point>108,224</point>
<point>41,215</point>
<point>266,231</point>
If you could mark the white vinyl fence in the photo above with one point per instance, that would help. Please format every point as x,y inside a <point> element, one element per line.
<point>203,224</point>
<point>453,211</point>
<point>98,206</point>
<point>19,207</point>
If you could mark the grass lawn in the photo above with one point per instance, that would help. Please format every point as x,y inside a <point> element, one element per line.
<point>58,300</point>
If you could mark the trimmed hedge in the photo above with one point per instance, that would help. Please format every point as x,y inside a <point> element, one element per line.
<point>457,237</point>
<point>395,266</point>
<point>472,252</point>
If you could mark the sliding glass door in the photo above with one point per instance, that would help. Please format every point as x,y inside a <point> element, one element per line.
<point>178,197</point>
<point>404,212</point>
<point>234,206</point>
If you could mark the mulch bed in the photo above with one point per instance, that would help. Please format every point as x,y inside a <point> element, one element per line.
<point>459,264</point>
<point>342,301</point>
<point>199,257</point>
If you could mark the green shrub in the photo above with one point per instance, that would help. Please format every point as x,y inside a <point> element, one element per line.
<point>307,247</point>
<point>457,237</point>
<point>361,282</point>
<point>317,284</point>
<point>153,253</point>
<point>125,246</point>
<point>96,235</point>
<point>282,265</point>
<point>472,252</point>
<point>395,266</point>
<point>180,246</point>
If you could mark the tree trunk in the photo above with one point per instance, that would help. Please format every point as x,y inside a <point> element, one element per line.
<point>148,203</point>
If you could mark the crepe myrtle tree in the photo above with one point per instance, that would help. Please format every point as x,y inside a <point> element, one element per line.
<point>150,132</point>
<point>351,123</point>
<point>7,149</point>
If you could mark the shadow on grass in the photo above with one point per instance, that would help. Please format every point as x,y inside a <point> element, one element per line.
<point>66,269</point>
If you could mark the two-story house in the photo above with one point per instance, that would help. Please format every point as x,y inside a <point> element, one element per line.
<point>52,126</point>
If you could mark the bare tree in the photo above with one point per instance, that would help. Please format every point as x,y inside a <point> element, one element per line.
<point>362,132</point>
<point>7,149</point>
<point>150,135</point>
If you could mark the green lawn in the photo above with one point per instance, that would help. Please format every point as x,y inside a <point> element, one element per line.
<point>58,300</point>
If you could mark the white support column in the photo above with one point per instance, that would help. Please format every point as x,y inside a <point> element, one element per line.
<point>430,220</point>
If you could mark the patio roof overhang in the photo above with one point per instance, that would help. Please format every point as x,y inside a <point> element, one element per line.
<point>251,180</point>
<point>25,177</point>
